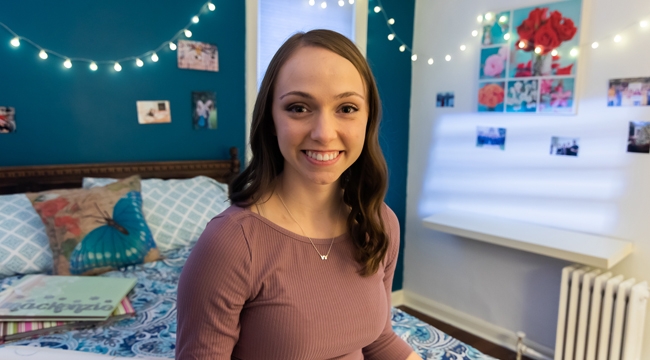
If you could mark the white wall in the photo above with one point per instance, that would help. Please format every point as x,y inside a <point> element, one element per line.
<point>603,191</point>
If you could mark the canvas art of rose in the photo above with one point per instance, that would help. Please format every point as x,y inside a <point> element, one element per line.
<point>491,96</point>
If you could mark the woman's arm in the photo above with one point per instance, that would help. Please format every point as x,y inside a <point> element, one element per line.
<point>213,287</point>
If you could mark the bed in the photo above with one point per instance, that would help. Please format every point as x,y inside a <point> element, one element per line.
<point>151,333</point>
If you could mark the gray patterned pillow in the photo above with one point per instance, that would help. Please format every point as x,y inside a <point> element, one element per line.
<point>24,246</point>
<point>177,210</point>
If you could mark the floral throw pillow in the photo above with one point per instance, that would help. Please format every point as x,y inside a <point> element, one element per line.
<point>92,231</point>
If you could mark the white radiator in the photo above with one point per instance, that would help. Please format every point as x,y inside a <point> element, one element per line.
<point>601,316</point>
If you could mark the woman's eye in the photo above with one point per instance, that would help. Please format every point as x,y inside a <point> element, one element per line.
<point>348,109</point>
<point>297,109</point>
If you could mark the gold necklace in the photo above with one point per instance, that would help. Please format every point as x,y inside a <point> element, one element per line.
<point>322,257</point>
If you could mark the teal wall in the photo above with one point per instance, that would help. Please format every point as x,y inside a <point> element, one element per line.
<point>392,70</point>
<point>79,116</point>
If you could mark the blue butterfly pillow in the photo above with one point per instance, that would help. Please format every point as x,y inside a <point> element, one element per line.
<point>92,231</point>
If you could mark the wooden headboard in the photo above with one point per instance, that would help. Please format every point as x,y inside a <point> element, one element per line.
<point>22,179</point>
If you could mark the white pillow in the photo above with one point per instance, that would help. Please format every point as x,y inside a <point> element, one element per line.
<point>177,210</point>
<point>24,246</point>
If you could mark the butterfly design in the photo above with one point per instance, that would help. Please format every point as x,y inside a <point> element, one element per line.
<point>203,111</point>
<point>124,239</point>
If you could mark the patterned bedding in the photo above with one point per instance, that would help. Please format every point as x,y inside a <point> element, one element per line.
<point>152,333</point>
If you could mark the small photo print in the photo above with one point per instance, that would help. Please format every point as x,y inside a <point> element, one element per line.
<point>495,29</point>
<point>197,55</point>
<point>629,92</point>
<point>491,137</point>
<point>7,119</point>
<point>153,112</point>
<point>491,96</point>
<point>445,99</point>
<point>556,95</point>
<point>493,63</point>
<point>522,96</point>
<point>639,137</point>
<point>565,146</point>
<point>204,110</point>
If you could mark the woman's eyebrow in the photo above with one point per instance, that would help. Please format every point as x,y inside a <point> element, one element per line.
<point>348,94</point>
<point>297,93</point>
<point>308,96</point>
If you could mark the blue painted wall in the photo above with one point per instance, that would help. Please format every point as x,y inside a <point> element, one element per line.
<point>79,116</point>
<point>392,70</point>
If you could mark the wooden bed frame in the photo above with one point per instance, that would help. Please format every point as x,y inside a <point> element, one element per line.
<point>22,179</point>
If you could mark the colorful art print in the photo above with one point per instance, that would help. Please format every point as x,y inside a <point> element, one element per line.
<point>556,95</point>
<point>541,44</point>
<point>522,96</point>
<point>204,110</point>
<point>445,99</point>
<point>197,55</point>
<point>491,137</point>
<point>638,140</point>
<point>565,146</point>
<point>7,119</point>
<point>495,29</point>
<point>153,112</point>
<point>629,92</point>
<point>493,62</point>
<point>491,96</point>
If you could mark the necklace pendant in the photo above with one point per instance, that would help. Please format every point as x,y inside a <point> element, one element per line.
<point>323,257</point>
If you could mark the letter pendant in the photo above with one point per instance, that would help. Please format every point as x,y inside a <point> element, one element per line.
<point>323,257</point>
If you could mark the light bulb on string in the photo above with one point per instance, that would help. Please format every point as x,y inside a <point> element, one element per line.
<point>391,37</point>
<point>479,18</point>
<point>67,63</point>
<point>506,36</point>
<point>323,5</point>
<point>463,48</point>
<point>554,52</point>
<point>521,44</point>
<point>430,61</point>
<point>595,45</point>
<point>414,57</point>
<point>211,6</point>
<point>154,57</point>
<point>139,62</point>
<point>188,34</point>
<point>503,19</point>
<point>391,21</point>
<point>195,19</point>
<point>93,66</point>
<point>172,46</point>
<point>574,52</point>
<point>618,38</point>
<point>15,42</point>
<point>538,50</point>
<point>377,9</point>
<point>402,48</point>
<point>42,54</point>
<point>644,23</point>
<point>117,66</point>
<point>475,33</point>
<point>489,16</point>
<point>341,2</point>
<point>448,57</point>
<point>351,2</point>
<point>312,2</point>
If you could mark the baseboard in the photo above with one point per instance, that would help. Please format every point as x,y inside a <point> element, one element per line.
<point>397,298</point>
<point>481,328</point>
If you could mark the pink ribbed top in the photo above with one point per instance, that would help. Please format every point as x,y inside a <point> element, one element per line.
<point>252,290</point>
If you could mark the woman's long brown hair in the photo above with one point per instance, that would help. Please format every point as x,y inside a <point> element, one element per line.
<point>364,183</point>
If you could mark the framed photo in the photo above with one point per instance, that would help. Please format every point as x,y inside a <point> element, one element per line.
<point>491,137</point>
<point>204,110</point>
<point>445,99</point>
<point>197,55</point>
<point>638,140</point>
<point>153,112</point>
<point>7,119</point>
<point>566,146</point>
<point>629,92</point>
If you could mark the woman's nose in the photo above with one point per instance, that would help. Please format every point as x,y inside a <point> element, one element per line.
<point>324,129</point>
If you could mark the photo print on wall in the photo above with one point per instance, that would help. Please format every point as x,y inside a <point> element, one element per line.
<point>565,146</point>
<point>491,137</point>
<point>445,99</point>
<point>204,110</point>
<point>629,92</point>
<point>638,140</point>
<point>7,119</point>
<point>533,51</point>
<point>197,55</point>
<point>153,112</point>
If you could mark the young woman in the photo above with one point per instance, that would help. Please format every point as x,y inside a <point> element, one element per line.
<point>301,265</point>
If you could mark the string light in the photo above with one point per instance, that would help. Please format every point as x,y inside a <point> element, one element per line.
<point>341,2</point>
<point>391,37</point>
<point>506,36</point>
<point>574,52</point>
<point>414,57</point>
<point>538,50</point>
<point>377,9</point>
<point>351,2</point>
<point>489,16</point>
<point>521,44</point>
<point>391,21</point>
<point>643,23</point>
<point>475,33</point>
<point>618,38</point>
<point>312,2</point>
<point>463,47</point>
<point>503,19</point>
<point>402,48</point>
<point>323,5</point>
<point>430,61</point>
<point>45,53</point>
<point>554,52</point>
<point>448,57</point>
<point>595,45</point>
<point>479,18</point>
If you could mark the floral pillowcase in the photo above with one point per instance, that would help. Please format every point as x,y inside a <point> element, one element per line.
<point>92,231</point>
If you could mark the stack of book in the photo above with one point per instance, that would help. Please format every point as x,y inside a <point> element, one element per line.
<point>42,304</point>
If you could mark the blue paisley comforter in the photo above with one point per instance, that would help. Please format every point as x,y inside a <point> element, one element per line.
<point>152,333</point>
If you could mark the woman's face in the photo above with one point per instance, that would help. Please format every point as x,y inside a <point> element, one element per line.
<point>320,114</point>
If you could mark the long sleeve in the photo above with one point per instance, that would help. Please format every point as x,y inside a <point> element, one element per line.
<point>213,287</point>
<point>388,345</point>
